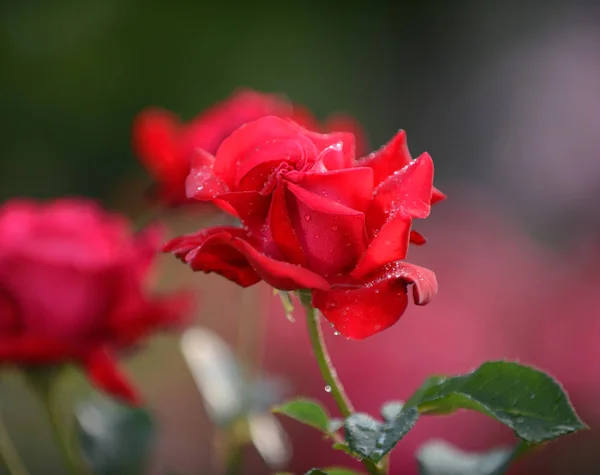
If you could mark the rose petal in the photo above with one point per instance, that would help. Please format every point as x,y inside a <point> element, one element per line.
<point>332,235</point>
<point>417,238</point>
<point>424,282</point>
<point>341,142</point>
<point>102,370</point>
<point>408,190</point>
<point>213,250</point>
<point>281,227</point>
<point>389,245</point>
<point>437,196</point>
<point>229,252</point>
<point>391,157</point>
<point>250,207</point>
<point>201,183</point>
<point>359,312</point>
<point>33,349</point>
<point>345,123</point>
<point>155,134</point>
<point>352,187</point>
<point>258,164</point>
<point>279,274</point>
<point>242,142</point>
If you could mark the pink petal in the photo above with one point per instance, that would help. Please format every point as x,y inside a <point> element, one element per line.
<point>391,157</point>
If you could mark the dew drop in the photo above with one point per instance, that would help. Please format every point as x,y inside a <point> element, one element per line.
<point>336,333</point>
<point>328,389</point>
<point>334,228</point>
<point>307,217</point>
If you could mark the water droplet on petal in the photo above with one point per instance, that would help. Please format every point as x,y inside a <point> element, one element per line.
<point>307,217</point>
<point>334,228</point>
<point>328,389</point>
<point>336,333</point>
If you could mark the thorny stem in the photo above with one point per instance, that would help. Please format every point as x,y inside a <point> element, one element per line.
<point>328,371</point>
<point>9,457</point>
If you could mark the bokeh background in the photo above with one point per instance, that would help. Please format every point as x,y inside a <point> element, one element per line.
<point>504,95</point>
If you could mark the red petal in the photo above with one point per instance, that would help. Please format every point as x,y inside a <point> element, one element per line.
<point>437,196</point>
<point>213,250</point>
<point>281,228</point>
<point>417,238</point>
<point>389,245</point>
<point>363,311</point>
<point>35,350</point>
<point>228,252</point>
<point>155,134</point>
<point>332,235</point>
<point>342,143</point>
<point>103,371</point>
<point>345,123</point>
<point>279,274</point>
<point>391,157</point>
<point>250,207</point>
<point>408,190</point>
<point>201,183</point>
<point>351,187</point>
<point>243,141</point>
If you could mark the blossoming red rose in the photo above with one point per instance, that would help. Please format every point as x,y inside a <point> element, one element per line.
<point>71,288</point>
<point>315,217</point>
<point>165,146</point>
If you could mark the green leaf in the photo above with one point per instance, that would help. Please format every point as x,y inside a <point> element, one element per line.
<point>306,411</point>
<point>340,471</point>
<point>332,471</point>
<point>528,401</point>
<point>115,438</point>
<point>372,439</point>
<point>438,457</point>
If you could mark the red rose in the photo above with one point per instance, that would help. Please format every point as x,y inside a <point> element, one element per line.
<point>316,218</point>
<point>71,288</point>
<point>166,146</point>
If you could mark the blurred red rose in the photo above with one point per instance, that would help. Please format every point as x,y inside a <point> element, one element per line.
<point>166,146</point>
<point>316,218</point>
<point>71,288</point>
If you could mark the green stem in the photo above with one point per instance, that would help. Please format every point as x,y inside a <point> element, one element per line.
<point>44,385</point>
<point>328,370</point>
<point>324,360</point>
<point>9,456</point>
